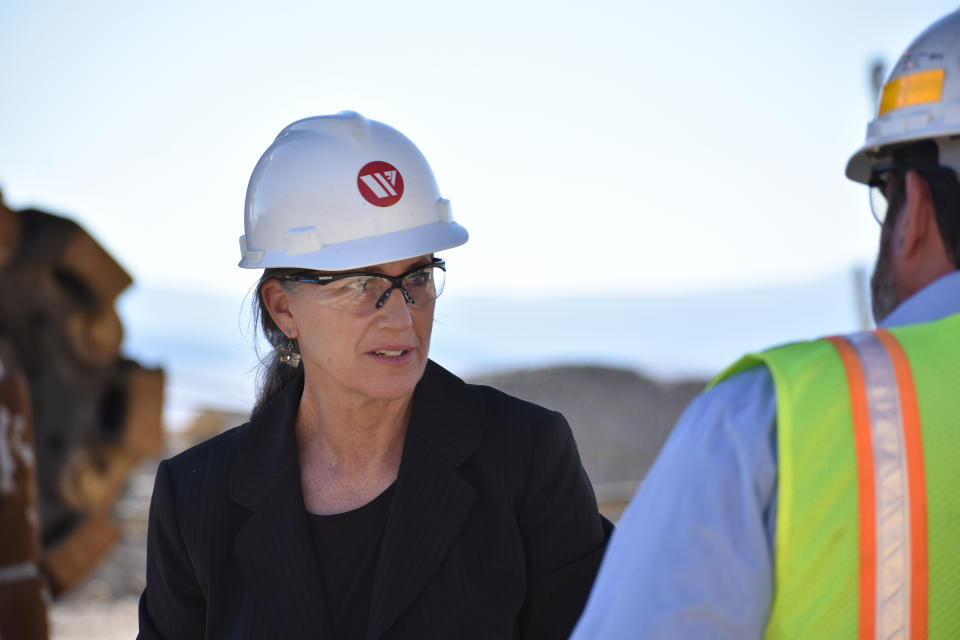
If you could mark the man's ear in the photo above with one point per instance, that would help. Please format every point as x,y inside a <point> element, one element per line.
<point>919,255</point>
<point>917,223</point>
<point>276,300</point>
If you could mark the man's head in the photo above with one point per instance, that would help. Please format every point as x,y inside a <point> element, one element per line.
<point>912,155</point>
<point>920,236</point>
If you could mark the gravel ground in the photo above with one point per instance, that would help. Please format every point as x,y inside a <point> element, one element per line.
<point>76,620</point>
<point>104,607</point>
<point>619,418</point>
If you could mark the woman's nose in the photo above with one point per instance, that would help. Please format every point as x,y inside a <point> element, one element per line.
<point>395,310</point>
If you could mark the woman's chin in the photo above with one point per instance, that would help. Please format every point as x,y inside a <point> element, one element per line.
<point>392,380</point>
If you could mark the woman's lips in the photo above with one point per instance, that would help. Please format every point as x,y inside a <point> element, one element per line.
<point>392,354</point>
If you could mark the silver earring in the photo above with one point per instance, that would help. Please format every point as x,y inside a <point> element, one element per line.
<point>287,353</point>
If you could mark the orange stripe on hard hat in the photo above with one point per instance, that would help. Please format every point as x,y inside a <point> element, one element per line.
<point>866,493</point>
<point>913,441</point>
<point>910,89</point>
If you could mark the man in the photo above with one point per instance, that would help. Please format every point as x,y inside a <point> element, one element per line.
<point>810,491</point>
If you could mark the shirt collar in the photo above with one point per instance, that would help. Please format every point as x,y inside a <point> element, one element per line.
<point>937,300</point>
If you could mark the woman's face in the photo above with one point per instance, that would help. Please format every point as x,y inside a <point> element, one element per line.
<point>370,353</point>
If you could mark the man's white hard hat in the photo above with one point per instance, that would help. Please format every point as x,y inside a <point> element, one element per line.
<point>920,101</point>
<point>340,192</point>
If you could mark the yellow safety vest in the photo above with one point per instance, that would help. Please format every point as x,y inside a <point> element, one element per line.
<point>868,432</point>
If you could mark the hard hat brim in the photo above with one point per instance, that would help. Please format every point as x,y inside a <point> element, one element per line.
<point>364,252</point>
<point>860,165</point>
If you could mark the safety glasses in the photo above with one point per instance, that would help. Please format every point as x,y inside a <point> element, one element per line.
<point>362,292</point>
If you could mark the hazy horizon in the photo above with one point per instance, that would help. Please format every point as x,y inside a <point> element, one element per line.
<point>206,344</point>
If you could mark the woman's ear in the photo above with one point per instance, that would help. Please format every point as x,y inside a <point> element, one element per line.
<point>276,300</point>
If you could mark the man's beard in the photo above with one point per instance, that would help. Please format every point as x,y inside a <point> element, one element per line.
<point>883,289</point>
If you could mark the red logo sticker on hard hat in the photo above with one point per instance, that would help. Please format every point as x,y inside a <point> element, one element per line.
<point>380,183</point>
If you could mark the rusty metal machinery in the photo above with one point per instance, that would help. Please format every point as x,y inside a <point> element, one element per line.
<point>94,414</point>
<point>23,606</point>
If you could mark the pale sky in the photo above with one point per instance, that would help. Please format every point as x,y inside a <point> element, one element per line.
<point>632,146</point>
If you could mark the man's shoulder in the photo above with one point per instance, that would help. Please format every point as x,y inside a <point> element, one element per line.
<point>762,359</point>
<point>750,384</point>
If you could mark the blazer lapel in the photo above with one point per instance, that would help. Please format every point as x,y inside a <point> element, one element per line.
<point>431,500</point>
<point>274,547</point>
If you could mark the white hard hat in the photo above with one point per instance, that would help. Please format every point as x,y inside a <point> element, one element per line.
<point>920,101</point>
<point>340,192</point>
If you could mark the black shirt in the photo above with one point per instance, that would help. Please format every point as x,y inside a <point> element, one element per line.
<point>347,546</point>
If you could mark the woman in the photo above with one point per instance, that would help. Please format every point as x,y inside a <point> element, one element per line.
<point>372,494</point>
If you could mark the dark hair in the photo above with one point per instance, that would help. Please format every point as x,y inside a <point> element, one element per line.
<point>273,374</point>
<point>944,191</point>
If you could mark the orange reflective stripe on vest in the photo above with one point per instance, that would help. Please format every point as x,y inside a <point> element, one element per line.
<point>891,490</point>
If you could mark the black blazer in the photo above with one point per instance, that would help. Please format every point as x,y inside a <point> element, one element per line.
<point>492,532</point>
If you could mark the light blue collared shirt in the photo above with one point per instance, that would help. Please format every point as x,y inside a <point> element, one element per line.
<point>692,556</point>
